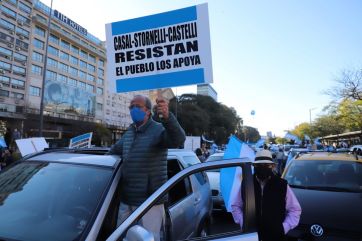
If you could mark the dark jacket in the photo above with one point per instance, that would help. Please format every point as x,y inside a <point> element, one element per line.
<point>144,158</point>
<point>270,208</point>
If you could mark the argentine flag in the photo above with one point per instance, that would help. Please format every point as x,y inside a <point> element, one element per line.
<point>230,178</point>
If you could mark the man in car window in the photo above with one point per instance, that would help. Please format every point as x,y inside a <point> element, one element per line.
<point>277,208</point>
<point>143,149</point>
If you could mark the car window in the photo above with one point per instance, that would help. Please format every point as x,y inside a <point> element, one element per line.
<point>325,175</point>
<point>191,160</point>
<point>181,189</point>
<point>39,198</point>
<point>214,158</point>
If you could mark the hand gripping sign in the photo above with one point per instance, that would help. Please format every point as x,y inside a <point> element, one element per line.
<point>163,50</point>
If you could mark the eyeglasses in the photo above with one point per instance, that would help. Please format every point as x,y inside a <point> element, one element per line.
<point>136,105</point>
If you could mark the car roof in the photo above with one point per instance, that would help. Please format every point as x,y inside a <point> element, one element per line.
<point>85,156</point>
<point>328,156</point>
<point>218,154</point>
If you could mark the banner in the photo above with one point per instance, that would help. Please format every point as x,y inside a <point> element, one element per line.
<point>230,178</point>
<point>82,141</point>
<point>163,50</point>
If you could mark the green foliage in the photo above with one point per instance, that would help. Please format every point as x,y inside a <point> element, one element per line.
<point>280,140</point>
<point>202,115</point>
<point>249,134</point>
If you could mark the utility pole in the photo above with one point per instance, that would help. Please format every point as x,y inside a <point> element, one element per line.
<point>310,115</point>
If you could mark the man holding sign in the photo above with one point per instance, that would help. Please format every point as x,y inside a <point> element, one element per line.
<point>143,149</point>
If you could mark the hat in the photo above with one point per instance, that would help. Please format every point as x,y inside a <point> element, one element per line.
<point>263,157</point>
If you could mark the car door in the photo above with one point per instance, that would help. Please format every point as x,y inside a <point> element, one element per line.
<point>129,230</point>
<point>181,210</point>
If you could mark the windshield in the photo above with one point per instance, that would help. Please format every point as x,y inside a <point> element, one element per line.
<point>325,175</point>
<point>39,201</point>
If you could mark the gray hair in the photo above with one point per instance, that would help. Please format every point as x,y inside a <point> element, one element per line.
<point>147,100</point>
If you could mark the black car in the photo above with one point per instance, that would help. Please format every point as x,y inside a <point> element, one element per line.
<point>329,189</point>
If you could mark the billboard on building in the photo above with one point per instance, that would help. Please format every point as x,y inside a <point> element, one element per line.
<point>62,97</point>
<point>158,51</point>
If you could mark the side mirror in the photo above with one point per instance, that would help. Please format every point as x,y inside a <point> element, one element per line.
<point>138,233</point>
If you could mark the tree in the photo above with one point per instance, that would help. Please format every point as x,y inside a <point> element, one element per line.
<point>202,115</point>
<point>249,134</point>
<point>303,129</point>
<point>280,140</point>
<point>348,86</point>
<point>327,125</point>
<point>102,136</point>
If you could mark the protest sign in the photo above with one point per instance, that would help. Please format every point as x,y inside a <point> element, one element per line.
<point>163,50</point>
<point>82,141</point>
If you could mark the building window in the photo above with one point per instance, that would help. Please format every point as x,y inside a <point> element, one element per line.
<point>4,93</point>
<point>50,75</point>
<point>83,54</point>
<point>53,51</point>
<point>4,79</point>
<point>5,66</point>
<point>63,67</point>
<point>18,83</point>
<point>22,32</point>
<point>99,106</point>
<point>82,74</point>
<point>16,95</point>
<point>100,63</point>
<point>7,24</point>
<point>52,63</point>
<point>91,68</point>
<point>100,72</point>
<point>8,11</point>
<point>73,60</point>
<point>65,44</point>
<point>24,7</point>
<point>39,31</point>
<point>14,2</point>
<point>72,82</point>
<point>100,81</point>
<point>54,39</point>
<point>73,71</point>
<point>34,91</point>
<point>82,64</point>
<point>92,59</point>
<point>23,19</point>
<point>38,43</point>
<point>64,56</point>
<point>62,78</point>
<point>37,57</point>
<point>81,84</point>
<point>19,70</point>
<point>20,57</point>
<point>74,49</point>
<point>22,44</point>
<point>90,78</point>
<point>90,88</point>
<point>36,69</point>
<point>5,52</point>
<point>99,91</point>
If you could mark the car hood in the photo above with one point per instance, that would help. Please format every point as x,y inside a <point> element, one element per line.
<point>338,211</point>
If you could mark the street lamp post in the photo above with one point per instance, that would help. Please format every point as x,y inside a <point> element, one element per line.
<point>44,72</point>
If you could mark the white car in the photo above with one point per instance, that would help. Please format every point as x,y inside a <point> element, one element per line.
<point>214,178</point>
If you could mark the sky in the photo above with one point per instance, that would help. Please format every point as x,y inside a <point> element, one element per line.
<point>274,57</point>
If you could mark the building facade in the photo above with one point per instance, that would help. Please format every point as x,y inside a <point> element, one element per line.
<point>75,87</point>
<point>208,90</point>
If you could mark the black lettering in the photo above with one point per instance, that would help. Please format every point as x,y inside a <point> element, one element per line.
<point>192,46</point>
<point>157,52</point>
<point>119,57</point>
<point>179,48</point>
<point>140,54</point>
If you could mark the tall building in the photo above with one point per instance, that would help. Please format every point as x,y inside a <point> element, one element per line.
<point>208,90</point>
<point>75,89</point>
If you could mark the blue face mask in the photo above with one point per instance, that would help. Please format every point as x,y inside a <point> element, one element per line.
<point>137,115</point>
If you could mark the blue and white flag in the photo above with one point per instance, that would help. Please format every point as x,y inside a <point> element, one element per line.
<point>307,138</point>
<point>230,178</point>
<point>82,141</point>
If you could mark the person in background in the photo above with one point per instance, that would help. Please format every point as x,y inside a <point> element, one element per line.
<point>277,208</point>
<point>280,160</point>
<point>200,155</point>
<point>143,149</point>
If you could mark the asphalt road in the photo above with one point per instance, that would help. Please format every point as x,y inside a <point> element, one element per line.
<point>222,222</point>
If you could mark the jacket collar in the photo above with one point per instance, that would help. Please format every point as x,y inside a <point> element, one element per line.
<point>143,127</point>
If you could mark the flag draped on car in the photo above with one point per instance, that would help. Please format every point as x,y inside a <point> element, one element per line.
<point>230,178</point>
